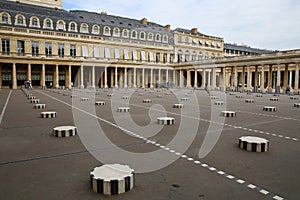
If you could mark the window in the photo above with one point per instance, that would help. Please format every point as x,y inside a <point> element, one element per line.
<point>60,25</point>
<point>165,57</point>
<point>20,20</point>
<point>34,22</point>
<point>212,44</point>
<point>61,50</point>
<point>179,39</point>
<point>48,49</point>
<point>73,50</point>
<point>4,18</point>
<point>96,29</point>
<point>200,42</point>
<point>126,55</point>
<point>150,57</point>
<point>157,37</point>
<point>143,56</point>
<point>206,43</point>
<point>134,55</point>
<point>179,56</point>
<point>35,48</point>
<point>157,57</point>
<point>116,32</point>
<point>106,53</point>
<point>5,46</point>
<point>187,40</point>
<point>84,28</point>
<point>20,47</point>
<point>171,58</point>
<point>47,23</point>
<point>72,27</point>
<point>142,35</point>
<point>133,34</point>
<point>96,52</point>
<point>117,53</point>
<point>85,52</point>
<point>125,33</point>
<point>194,56</point>
<point>187,56</point>
<point>107,31</point>
<point>206,56</point>
<point>165,38</point>
<point>150,36</point>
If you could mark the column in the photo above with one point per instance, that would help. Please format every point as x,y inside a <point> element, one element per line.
<point>143,78</point>
<point>262,79</point>
<point>278,76</point>
<point>159,77</point>
<point>214,78</point>
<point>248,78</point>
<point>270,78</point>
<point>167,77</point>
<point>243,78</point>
<point>208,79</point>
<point>256,77</point>
<point>81,77</point>
<point>296,88</point>
<point>56,75</point>
<point>232,78</point>
<point>235,77</point>
<point>196,79</point>
<point>43,76</point>
<point>105,78</point>
<point>290,79</point>
<point>174,78</point>
<point>151,78</point>
<point>125,78</point>
<point>285,78</point>
<point>116,77</point>
<point>93,76</point>
<point>14,76</point>
<point>69,77</point>
<point>1,76</point>
<point>203,78</point>
<point>181,78</point>
<point>29,71</point>
<point>134,77</point>
<point>224,78</point>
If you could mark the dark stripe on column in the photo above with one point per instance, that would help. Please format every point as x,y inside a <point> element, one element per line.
<point>263,147</point>
<point>253,147</point>
<point>91,180</point>
<point>127,183</point>
<point>244,145</point>
<point>114,187</point>
<point>240,143</point>
<point>63,133</point>
<point>100,186</point>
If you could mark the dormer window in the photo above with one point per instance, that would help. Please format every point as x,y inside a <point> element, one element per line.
<point>4,18</point>
<point>150,36</point>
<point>72,27</point>
<point>96,29</point>
<point>48,24</point>
<point>60,25</point>
<point>84,28</point>
<point>107,31</point>
<point>20,20</point>
<point>142,35</point>
<point>125,33</point>
<point>116,32</point>
<point>133,34</point>
<point>158,38</point>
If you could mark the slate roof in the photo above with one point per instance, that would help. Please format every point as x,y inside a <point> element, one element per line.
<point>245,48</point>
<point>190,32</point>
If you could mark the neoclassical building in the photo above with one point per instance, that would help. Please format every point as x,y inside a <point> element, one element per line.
<point>53,47</point>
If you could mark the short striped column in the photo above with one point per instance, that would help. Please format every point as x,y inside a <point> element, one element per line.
<point>34,101</point>
<point>178,105</point>
<point>123,109</point>
<point>125,97</point>
<point>64,131</point>
<point>259,95</point>
<point>213,97</point>
<point>99,103</point>
<point>40,106</point>
<point>253,144</point>
<point>229,113</point>
<point>297,105</point>
<point>166,120</point>
<point>147,101</point>
<point>273,99</point>
<point>184,99</point>
<point>293,98</point>
<point>109,95</point>
<point>28,95</point>
<point>219,103</point>
<point>84,99</point>
<point>31,97</point>
<point>249,100</point>
<point>112,179</point>
<point>239,96</point>
<point>48,114</point>
<point>270,108</point>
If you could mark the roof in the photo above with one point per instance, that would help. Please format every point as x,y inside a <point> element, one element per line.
<point>245,48</point>
<point>190,32</point>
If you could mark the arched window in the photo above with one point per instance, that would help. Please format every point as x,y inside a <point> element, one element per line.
<point>200,56</point>
<point>72,27</point>
<point>194,56</point>
<point>34,22</point>
<point>165,38</point>
<point>142,35</point>
<point>116,32</point>
<point>96,29</point>
<point>60,25</point>
<point>107,31</point>
<point>125,33</point>
<point>187,56</point>
<point>133,34</point>
<point>187,40</point>
<point>150,36</point>
<point>84,28</point>
<point>4,18</point>
<point>157,37</point>
<point>20,20</point>
<point>179,55</point>
<point>48,23</point>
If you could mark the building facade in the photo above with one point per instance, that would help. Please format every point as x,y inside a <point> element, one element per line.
<point>53,47</point>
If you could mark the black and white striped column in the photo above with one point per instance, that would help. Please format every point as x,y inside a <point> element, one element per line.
<point>297,105</point>
<point>270,108</point>
<point>99,103</point>
<point>259,95</point>
<point>273,99</point>
<point>293,98</point>
<point>253,144</point>
<point>229,113</point>
<point>84,99</point>
<point>64,131</point>
<point>147,101</point>
<point>239,96</point>
<point>34,101</point>
<point>112,179</point>
<point>219,103</point>
<point>166,120</point>
<point>178,105</point>
<point>48,114</point>
<point>249,100</point>
<point>123,109</point>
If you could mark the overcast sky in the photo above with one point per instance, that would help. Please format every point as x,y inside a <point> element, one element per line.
<point>269,24</point>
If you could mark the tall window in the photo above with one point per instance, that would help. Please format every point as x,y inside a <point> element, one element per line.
<point>5,46</point>
<point>200,56</point>
<point>157,57</point>
<point>142,35</point>
<point>157,38</point>
<point>96,30</point>
<point>20,20</point>
<point>107,31</point>
<point>187,56</point>
<point>60,25</point>
<point>193,56</point>
<point>187,40</point>
<point>171,58</point>
<point>73,50</point>
<point>179,56</point>
<point>61,50</point>
<point>72,27</point>
<point>165,57</point>
<point>34,22</point>
<point>116,32</point>
<point>35,48</point>
<point>133,34</point>
<point>84,28</point>
<point>150,36</point>
<point>165,39</point>
<point>125,33</point>
<point>20,47</point>
<point>179,39</point>
<point>48,49</point>
<point>48,23</point>
<point>4,19</point>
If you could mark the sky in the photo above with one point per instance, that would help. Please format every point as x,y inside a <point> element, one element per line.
<point>266,24</point>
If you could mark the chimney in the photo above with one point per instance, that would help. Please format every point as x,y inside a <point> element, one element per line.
<point>194,30</point>
<point>144,21</point>
<point>168,27</point>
